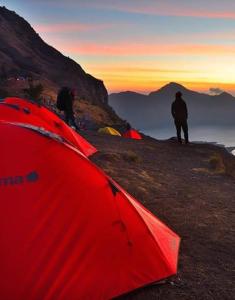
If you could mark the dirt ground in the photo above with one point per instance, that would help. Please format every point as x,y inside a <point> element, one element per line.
<point>189,189</point>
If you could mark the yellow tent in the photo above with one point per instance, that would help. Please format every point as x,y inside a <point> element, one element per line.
<point>109,130</point>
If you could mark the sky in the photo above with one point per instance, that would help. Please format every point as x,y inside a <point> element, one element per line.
<point>140,45</point>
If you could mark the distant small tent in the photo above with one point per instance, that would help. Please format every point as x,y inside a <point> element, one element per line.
<point>31,113</point>
<point>132,134</point>
<point>109,130</point>
<point>67,230</point>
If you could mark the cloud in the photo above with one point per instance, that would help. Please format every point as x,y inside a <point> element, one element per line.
<point>216,91</point>
<point>215,9</point>
<point>69,27</point>
<point>138,49</point>
<point>198,9</point>
<point>184,13</point>
<point>123,68</point>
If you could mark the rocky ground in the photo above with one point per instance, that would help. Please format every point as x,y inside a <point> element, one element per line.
<point>192,189</point>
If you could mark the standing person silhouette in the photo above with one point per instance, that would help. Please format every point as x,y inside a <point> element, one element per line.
<point>65,100</point>
<point>179,112</point>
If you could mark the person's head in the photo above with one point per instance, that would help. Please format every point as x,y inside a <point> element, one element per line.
<point>178,96</point>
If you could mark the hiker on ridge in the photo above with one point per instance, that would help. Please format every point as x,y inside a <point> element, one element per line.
<point>64,103</point>
<point>179,112</point>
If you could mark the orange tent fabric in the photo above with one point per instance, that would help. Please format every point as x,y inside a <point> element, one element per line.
<point>24,111</point>
<point>67,230</point>
<point>132,134</point>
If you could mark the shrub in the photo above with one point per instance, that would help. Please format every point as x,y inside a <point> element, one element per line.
<point>131,156</point>
<point>34,91</point>
<point>216,163</point>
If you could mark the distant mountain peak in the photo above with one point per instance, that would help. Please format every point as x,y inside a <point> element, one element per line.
<point>170,88</point>
<point>173,86</point>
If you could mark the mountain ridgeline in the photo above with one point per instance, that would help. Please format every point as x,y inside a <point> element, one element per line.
<point>23,53</point>
<point>154,110</point>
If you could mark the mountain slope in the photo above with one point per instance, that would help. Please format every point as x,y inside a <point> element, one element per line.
<point>24,53</point>
<point>155,109</point>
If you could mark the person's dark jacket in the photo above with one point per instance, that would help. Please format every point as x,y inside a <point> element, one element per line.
<point>179,110</point>
<point>65,100</point>
<point>69,103</point>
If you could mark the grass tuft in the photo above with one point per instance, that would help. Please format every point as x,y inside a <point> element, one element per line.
<point>131,156</point>
<point>217,164</point>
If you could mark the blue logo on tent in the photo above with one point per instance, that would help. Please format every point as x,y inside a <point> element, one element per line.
<point>32,177</point>
<point>14,180</point>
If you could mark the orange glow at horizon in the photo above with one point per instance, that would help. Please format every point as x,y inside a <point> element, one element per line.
<point>147,87</point>
<point>145,79</point>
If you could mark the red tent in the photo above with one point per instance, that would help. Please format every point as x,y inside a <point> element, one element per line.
<point>24,111</point>
<point>67,230</point>
<point>132,134</point>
